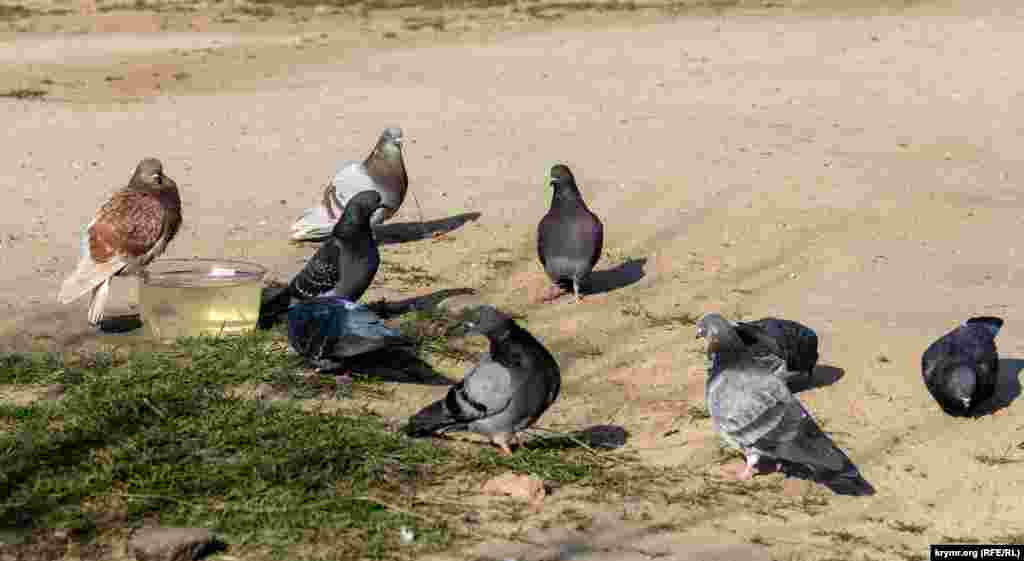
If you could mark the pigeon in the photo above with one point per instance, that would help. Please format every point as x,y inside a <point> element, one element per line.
<point>756,413</point>
<point>791,341</point>
<point>344,265</point>
<point>961,368</point>
<point>569,237</point>
<point>382,171</point>
<point>129,231</point>
<point>326,331</point>
<point>511,387</point>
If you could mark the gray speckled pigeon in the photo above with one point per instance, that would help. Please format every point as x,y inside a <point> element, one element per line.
<point>382,171</point>
<point>344,265</point>
<point>791,341</point>
<point>961,368</point>
<point>569,237</point>
<point>755,412</point>
<point>326,331</point>
<point>129,231</point>
<point>511,387</point>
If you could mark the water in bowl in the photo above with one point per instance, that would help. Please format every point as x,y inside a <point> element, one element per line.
<point>188,298</point>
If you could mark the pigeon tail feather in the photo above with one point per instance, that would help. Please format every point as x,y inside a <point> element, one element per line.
<point>98,302</point>
<point>432,419</point>
<point>849,483</point>
<point>87,275</point>
<point>314,225</point>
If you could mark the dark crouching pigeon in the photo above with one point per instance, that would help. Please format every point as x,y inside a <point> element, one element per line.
<point>569,237</point>
<point>961,368</point>
<point>129,231</point>
<point>382,171</point>
<point>326,331</point>
<point>755,412</point>
<point>511,387</point>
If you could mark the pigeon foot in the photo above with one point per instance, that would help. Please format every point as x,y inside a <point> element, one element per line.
<point>552,293</point>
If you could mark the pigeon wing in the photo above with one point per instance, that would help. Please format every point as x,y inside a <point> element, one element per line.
<point>484,392</point>
<point>321,273</point>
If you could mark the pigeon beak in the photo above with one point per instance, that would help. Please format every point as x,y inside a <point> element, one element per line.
<point>966,401</point>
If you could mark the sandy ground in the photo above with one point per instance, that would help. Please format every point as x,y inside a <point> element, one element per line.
<point>857,172</point>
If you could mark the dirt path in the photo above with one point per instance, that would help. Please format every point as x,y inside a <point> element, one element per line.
<point>858,173</point>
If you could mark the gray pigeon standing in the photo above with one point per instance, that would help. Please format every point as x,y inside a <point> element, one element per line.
<point>511,387</point>
<point>382,171</point>
<point>755,412</point>
<point>344,265</point>
<point>129,231</point>
<point>961,368</point>
<point>569,237</point>
<point>791,341</point>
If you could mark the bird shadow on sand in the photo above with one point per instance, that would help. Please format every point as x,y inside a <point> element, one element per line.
<point>823,375</point>
<point>1008,387</point>
<point>398,366</point>
<point>413,231</point>
<point>120,323</point>
<point>425,303</point>
<point>620,276</point>
<point>598,437</point>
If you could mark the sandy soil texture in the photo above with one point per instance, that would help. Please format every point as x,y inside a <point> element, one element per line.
<point>857,171</point>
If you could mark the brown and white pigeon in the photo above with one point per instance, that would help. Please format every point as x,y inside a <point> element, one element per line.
<point>382,171</point>
<point>569,237</point>
<point>130,230</point>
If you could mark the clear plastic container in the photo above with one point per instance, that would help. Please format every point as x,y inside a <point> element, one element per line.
<point>192,297</point>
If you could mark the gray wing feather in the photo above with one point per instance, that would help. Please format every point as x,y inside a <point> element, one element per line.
<point>747,405</point>
<point>487,389</point>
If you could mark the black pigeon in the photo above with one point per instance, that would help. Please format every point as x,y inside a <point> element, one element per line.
<point>511,387</point>
<point>961,368</point>
<point>326,331</point>
<point>343,266</point>
<point>569,237</point>
<point>791,341</point>
<point>755,412</point>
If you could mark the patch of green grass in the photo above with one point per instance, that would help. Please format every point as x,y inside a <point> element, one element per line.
<point>156,434</point>
<point>24,93</point>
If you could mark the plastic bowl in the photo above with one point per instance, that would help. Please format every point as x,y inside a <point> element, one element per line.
<point>193,297</point>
